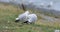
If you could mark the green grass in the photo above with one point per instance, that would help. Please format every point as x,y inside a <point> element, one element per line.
<point>8,13</point>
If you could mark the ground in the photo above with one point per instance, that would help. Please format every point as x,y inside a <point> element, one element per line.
<point>8,13</point>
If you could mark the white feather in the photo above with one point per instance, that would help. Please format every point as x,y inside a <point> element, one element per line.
<point>23,17</point>
<point>32,18</point>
